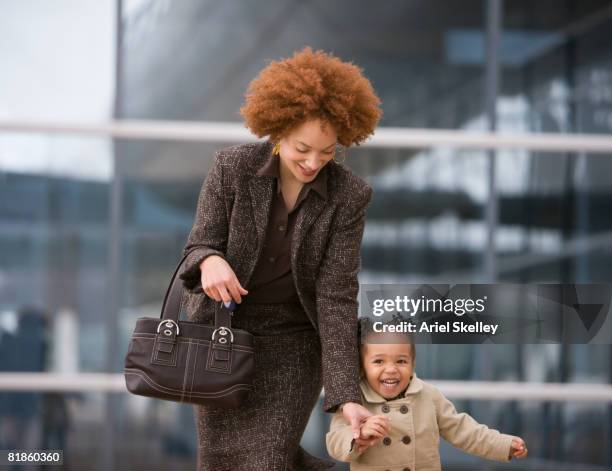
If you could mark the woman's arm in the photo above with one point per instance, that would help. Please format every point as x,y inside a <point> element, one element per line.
<point>337,287</point>
<point>209,233</point>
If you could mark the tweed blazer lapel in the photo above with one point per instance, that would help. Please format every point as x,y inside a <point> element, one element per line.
<point>307,214</point>
<point>261,189</point>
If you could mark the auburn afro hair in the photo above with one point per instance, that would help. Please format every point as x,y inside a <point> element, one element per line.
<point>307,86</point>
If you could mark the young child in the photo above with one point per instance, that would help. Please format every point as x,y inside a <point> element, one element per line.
<point>410,416</point>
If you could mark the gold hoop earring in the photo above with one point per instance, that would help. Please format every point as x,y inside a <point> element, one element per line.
<point>342,151</point>
<point>276,149</point>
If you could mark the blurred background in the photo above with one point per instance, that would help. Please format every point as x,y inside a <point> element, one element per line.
<point>93,224</point>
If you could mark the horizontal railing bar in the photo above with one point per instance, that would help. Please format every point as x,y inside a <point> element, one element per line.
<point>385,137</point>
<point>477,390</point>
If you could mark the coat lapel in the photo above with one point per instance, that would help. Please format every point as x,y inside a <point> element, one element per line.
<point>261,189</point>
<point>307,214</point>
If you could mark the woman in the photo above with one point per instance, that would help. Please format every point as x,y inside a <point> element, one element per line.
<point>278,229</point>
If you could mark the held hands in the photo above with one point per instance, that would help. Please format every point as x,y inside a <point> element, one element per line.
<point>518,449</point>
<point>376,426</point>
<point>219,281</point>
<point>373,430</point>
<point>355,414</point>
<point>368,429</point>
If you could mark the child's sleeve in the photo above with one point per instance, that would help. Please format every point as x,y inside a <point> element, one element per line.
<point>339,440</point>
<point>463,432</point>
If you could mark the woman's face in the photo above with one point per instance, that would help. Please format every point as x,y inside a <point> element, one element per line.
<point>306,150</point>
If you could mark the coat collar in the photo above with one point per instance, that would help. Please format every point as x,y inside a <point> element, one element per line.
<point>415,387</point>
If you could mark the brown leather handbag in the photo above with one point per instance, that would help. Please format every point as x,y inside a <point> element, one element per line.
<point>189,362</point>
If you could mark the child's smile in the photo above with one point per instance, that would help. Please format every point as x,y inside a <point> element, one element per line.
<point>390,385</point>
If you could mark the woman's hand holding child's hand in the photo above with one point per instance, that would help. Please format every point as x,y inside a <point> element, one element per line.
<point>518,449</point>
<point>373,430</point>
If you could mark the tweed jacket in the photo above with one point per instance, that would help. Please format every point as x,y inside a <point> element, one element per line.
<point>417,420</point>
<point>231,220</point>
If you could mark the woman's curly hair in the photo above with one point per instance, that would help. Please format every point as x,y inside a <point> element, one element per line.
<point>307,86</point>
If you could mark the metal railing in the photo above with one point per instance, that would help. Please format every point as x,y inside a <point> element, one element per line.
<point>385,137</point>
<point>475,390</point>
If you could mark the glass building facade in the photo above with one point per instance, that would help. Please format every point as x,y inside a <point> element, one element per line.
<point>92,227</point>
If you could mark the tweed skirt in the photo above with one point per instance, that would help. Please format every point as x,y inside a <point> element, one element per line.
<point>264,433</point>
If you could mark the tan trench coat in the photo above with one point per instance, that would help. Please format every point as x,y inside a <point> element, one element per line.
<point>417,421</point>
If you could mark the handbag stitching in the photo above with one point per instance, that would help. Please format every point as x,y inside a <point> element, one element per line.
<point>185,375</point>
<point>192,395</point>
<point>210,366</point>
<point>243,348</point>
<point>155,359</point>
<point>200,395</point>
<point>158,361</point>
<point>178,392</point>
<point>197,325</point>
<point>195,367</point>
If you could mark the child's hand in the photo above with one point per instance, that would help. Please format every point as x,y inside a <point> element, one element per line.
<point>376,426</point>
<point>518,449</point>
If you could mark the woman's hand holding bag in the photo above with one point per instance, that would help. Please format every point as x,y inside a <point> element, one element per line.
<point>219,281</point>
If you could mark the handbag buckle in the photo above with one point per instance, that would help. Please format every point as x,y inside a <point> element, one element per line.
<point>168,324</point>
<point>223,331</point>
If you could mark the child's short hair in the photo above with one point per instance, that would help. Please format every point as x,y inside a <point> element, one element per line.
<point>367,334</point>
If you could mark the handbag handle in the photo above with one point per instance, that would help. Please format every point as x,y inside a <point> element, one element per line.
<point>171,309</point>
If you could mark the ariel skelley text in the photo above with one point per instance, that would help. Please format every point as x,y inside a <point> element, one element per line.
<point>438,327</point>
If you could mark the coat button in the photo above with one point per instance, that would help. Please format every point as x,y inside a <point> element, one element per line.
<point>406,439</point>
<point>386,409</point>
<point>387,441</point>
<point>272,259</point>
<point>281,228</point>
<point>404,409</point>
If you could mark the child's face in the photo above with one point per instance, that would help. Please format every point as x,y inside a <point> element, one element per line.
<point>387,367</point>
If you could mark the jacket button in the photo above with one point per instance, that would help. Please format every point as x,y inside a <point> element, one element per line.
<point>272,259</point>
<point>406,439</point>
<point>281,228</point>
<point>404,409</point>
<point>387,441</point>
<point>386,409</point>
